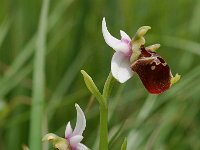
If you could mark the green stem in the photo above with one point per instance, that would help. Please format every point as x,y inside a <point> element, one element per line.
<point>103,144</point>
<point>39,81</point>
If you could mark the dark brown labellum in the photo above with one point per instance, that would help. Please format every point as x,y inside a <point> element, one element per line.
<point>153,71</point>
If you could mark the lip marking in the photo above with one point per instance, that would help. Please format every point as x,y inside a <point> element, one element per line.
<point>153,67</point>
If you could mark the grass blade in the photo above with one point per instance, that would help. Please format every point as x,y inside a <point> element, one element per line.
<point>39,80</point>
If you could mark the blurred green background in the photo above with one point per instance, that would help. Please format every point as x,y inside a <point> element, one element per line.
<point>170,121</point>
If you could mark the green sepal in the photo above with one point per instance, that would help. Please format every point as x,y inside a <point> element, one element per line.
<point>58,142</point>
<point>137,41</point>
<point>153,47</point>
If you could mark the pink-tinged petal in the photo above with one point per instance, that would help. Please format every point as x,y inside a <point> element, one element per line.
<point>75,140</point>
<point>125,36</point>
<point>120,67</point>
<point>68,130</point>
<point>123,47</point>
<point>81,147</point>
<point>153,71</point>
<point>80,122</point>
<point>117,45</point>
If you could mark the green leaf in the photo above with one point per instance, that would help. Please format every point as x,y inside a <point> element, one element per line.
<point>108,86</point>
<point>4,28</point>
<point>93,88</point>
<point>124,145</point>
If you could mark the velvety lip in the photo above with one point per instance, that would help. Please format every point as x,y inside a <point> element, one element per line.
<point>153,71</point>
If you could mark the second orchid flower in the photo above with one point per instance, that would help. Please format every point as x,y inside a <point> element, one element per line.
<point>73,138</point>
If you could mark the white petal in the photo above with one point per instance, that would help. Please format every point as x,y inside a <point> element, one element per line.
<point>114,43</point>
<point>68,130</point>
<point>110,40</point>
<point>75,140</point>
<point>80,122</point>
<point>120,67</point>
<point>124,35</point>
<point>81,147</point>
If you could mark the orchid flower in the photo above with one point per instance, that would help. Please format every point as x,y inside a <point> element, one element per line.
<point>73,138</point>
<point>132,57</point>
<point>120,64</point>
